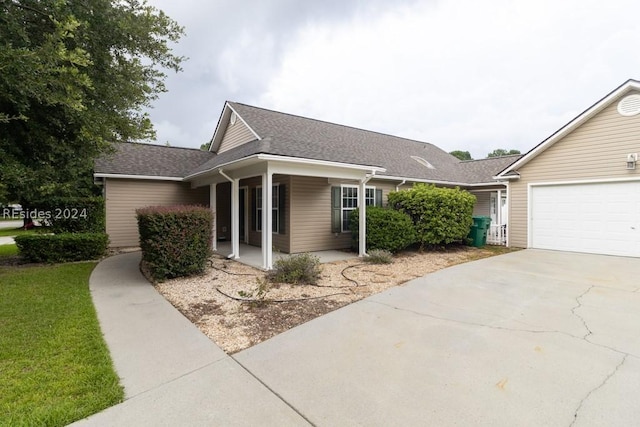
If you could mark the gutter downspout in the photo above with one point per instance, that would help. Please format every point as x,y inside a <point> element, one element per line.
<point>400,185</point>
<point>234,202</point>
<point>362,220</point>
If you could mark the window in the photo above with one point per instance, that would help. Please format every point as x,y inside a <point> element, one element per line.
<point>275,208</point>
<point>350,202</point>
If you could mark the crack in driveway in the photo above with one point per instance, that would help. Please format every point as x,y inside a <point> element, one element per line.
<point>602,384</point>
<point>625,355</point>
<point>579,305</point>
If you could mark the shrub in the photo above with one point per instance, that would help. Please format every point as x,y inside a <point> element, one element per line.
<point>440,215</point>
<point>387,229</point>
<point>63,247</point>
<point>379,256</point>
<point>175,240</point>
<point>73,214</point>
<point>303,269</point>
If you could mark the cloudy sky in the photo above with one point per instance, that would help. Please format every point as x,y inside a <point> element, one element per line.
<point>461,74</point>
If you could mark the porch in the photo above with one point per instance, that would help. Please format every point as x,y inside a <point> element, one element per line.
<point>497,234</point>
<point>252,255</point>
<point>493,203</point>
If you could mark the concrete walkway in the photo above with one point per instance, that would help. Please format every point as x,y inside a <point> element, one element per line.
<point>5,240</point>
<point>171,372</point>
<point>524,339</point>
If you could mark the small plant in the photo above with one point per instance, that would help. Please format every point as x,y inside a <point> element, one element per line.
<point>258,294</point>
<point>299,269</point>
<point>379,256</point>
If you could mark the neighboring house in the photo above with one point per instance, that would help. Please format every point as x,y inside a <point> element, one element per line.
<point>297,177</point>
<point>579,190</point>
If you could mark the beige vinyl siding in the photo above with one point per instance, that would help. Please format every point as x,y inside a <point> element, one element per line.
<point>124,196</point>
<point>483,203</point>
<point>281,241</point>
<point>235,135</point>
<point>311,214</point>
<point>386,187</point>
<point>595,150</point>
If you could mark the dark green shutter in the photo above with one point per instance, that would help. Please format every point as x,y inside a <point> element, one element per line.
<point>254,207</point>
<point>336,214</point>
<point>282,209</point>
<point>378,197</point>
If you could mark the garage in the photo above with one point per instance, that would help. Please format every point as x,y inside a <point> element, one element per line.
<point>599,218</point>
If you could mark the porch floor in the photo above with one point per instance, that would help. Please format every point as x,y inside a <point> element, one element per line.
<point>252,255</point>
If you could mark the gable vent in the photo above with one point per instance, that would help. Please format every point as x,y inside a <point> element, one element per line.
<point>423,162</point>
<point>630,105</point>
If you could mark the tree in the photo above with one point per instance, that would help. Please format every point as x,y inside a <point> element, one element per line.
<point>502,152</point>
<point>75,76</point>
<point>462,155</point>
<point>206,146</point>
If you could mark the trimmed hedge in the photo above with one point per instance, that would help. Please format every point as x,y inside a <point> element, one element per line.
<point>387,229</point>
<point>440,215</point>
<point>73,214</point>
<point>175,240</point>
<point>63,247</point>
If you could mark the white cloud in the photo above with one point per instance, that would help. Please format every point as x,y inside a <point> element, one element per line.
<point>461,74</point>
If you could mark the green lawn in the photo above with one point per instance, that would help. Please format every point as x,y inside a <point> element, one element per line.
<point>8,250</point>
<point>54,365</point>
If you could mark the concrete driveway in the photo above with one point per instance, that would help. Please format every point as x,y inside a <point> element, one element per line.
<point>528,338</point>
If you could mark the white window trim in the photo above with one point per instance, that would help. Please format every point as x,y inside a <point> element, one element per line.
<point>275,209</point>
<point>342,208</point>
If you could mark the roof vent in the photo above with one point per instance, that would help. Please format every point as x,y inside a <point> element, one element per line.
<point>423,162</point>
<point>234,117</point>
<point>630,105</point>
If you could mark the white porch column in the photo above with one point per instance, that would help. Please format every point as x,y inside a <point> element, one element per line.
<point>499,208</point>
<point>508,211</point>
<point>267,238</point>
<point>213,207</point>
<point>362,218</point>
<point>235,213</point>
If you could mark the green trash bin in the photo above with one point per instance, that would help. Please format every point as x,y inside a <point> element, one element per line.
<point>473,235</point>
<point>479,230</point>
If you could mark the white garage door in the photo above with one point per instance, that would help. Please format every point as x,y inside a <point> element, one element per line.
<point>593,218</point>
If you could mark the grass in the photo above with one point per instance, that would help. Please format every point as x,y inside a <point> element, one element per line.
<point>54,365</point>
<point>8,250</point>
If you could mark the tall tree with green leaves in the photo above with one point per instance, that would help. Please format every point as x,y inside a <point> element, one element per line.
<point>462,155</point>
<point>498,152</point>
<point>75,75</point>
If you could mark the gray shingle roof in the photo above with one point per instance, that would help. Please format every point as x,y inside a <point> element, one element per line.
<point>294,136</point>
<point>482,171</point>
<point>151,160</point>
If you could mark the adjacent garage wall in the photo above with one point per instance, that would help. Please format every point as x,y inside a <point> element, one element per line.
<point>124,196</point>
<point>596,150</point>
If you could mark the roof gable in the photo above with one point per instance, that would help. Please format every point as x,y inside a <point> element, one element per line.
<point>629,85</point>
<point>232,130</point>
